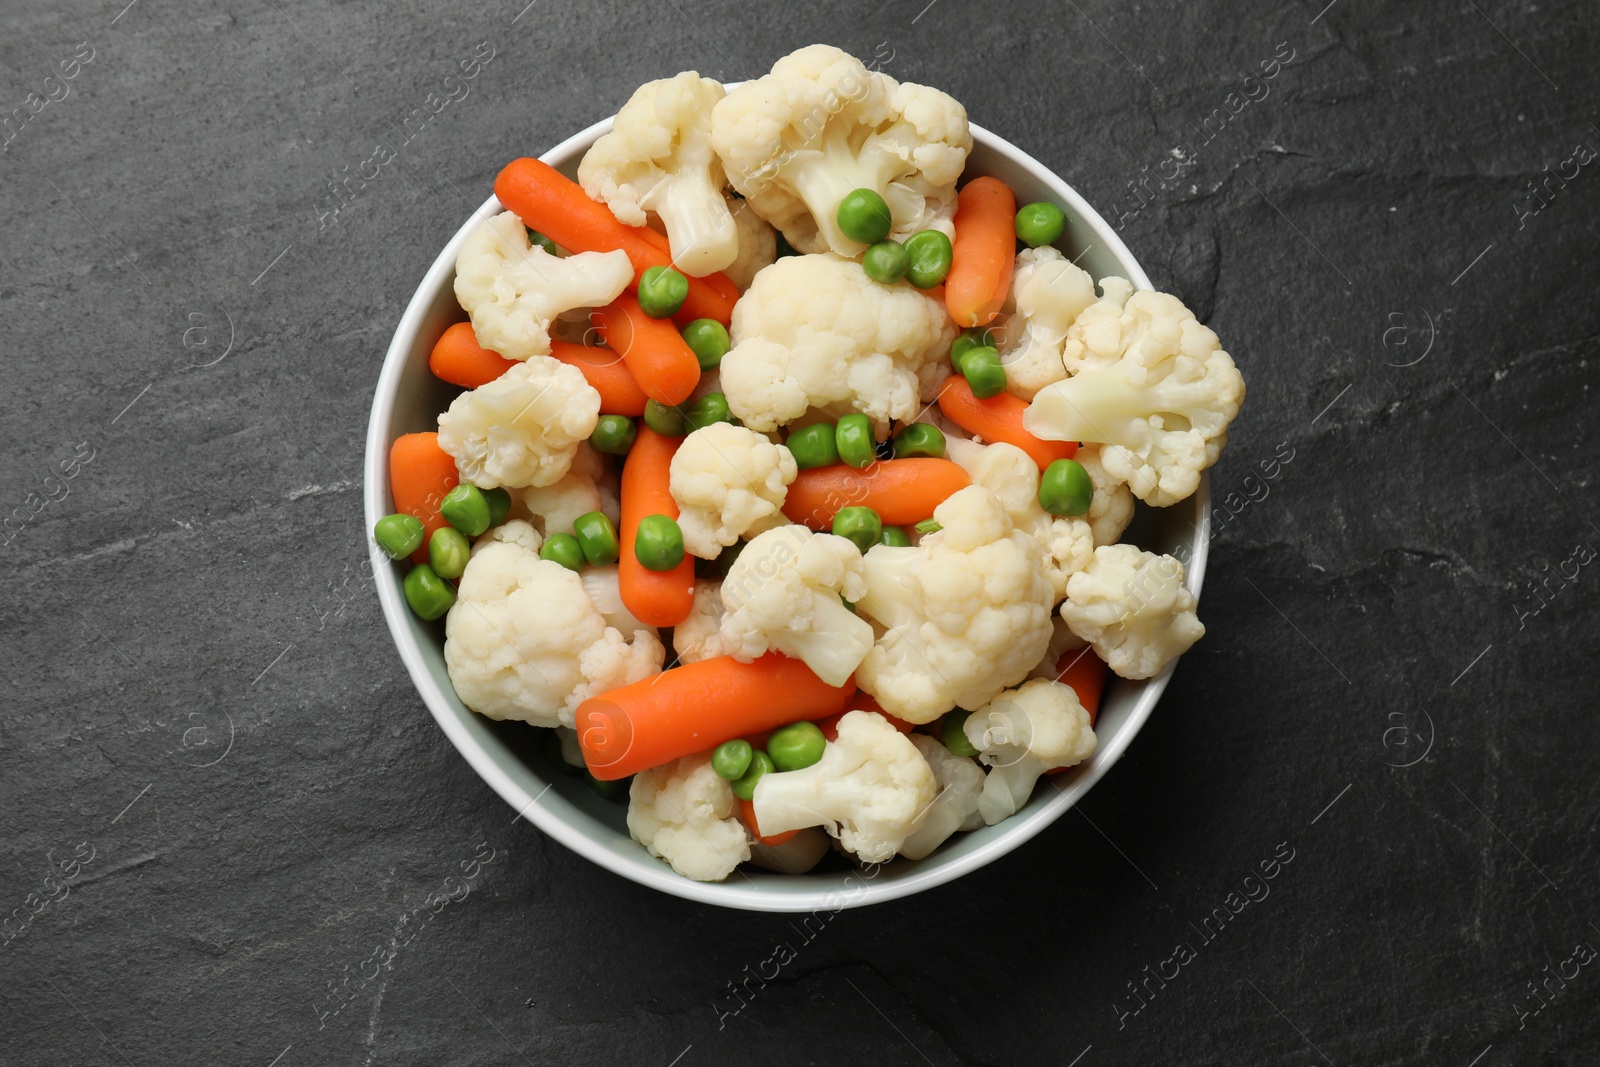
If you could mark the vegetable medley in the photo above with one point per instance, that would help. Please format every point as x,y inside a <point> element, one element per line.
<point>772,386</point>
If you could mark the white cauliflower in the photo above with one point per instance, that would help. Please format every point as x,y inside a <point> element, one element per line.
<point>1021,734</point>
<point>683,812</point>
<point>783,593</point>
<point>820,125</point>
<point>797,855</point>
<point>605,593</point>
<point>513,531</point>
<point>1151,384</point>
<point>523,428</point>
<point>1062,641</point>
<point>1131,605</point>
<point>657,158</point>
<point>555,507</point>
<point>758,244</point>
<point>728,482</point>
<point>1111,508</point>
<point>960,782</point>
<point>870,790</point>
<point>700,635</point>
<point>815,331</point>
<point>523,640</point>
<point>1049,292</point>
<point>513,289</point>
<point>964,613</point>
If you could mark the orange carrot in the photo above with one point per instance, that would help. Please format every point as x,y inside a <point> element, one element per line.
<point>661,360</point>
<point>696,707</point>
<point>420,474</point>
<point>1086,673</point>
<point>862,701</point>
<point>605,370</point>
<point>660,598</point>
<point>459,359</point>
<point>557,207</point>
<point>981,252</point>
<point>747,814</point>
<point>901,491</point>
<point>999,418</point>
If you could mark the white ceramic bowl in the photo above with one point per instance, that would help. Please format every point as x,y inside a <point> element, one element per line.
<point>506,754</point>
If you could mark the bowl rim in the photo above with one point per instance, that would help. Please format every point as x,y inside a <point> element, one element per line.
<point>644,868</point>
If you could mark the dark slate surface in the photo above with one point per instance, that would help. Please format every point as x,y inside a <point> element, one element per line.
<point>206,726</point>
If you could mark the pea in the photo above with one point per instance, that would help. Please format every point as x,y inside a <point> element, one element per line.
<point>597,537</point>
<point>499,504</point>
<point>401,535</point>
<point>448,550</point>
<point>1040,224</point>
<point>1065,488</point>
<point>886,262</point>
<point>608,789</point>
<point>465,508</point>
<point>613,435</point>
<point>731,759</point>
<point>984,372</point>
<point>853,438</point>
<point>796,746</point>
<point>965,342</point>
<point>895,537</point>
<point>813,446</point>
<point>662,292</point>
<point>859,525</point>
<point>930,258</point>
<point>864,217</point>
<point>760,766</point>
<point>919,439</point>
<point>708,340</point>
<point>658,545</point>
<point>951,734</point>
<point>564,549</point>
<point>709,409</point>
<point>429,595</point>
<point>666,421</point>
<point>928,526</point>
<point>539,239</point>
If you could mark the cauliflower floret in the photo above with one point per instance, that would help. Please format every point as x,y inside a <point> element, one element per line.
<point>1151,384</point>
<point>820,125</point>
<point>964,613</point>
<point>728,482</point>
<point>555,507</point>
<point>683,812</point>
<point>1020,735</point>
<point>1049,292</point>
<point>1131,605</point>
<point>605,592</point>
<point>783,593</point>
<point>870,790</point>
<point>815,331</point>
<point>797,855</point>
<point>1111,508</point>
<point>513,289</point>
<point>758,245</point>
<point>960,782</point>
<point>700,635</point>
<point>523,428</point>
<point>523,641</point>
<point>1062,641</point>
<point>515,531</point>
<point>657,158</point>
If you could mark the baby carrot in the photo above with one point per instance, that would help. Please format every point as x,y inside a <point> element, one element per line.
<point>901,491</point>
<point>697,706</point>
<point>556,206</point>
<point>661,360</point>
<point>660,598</point>
<point>747,814</point>
<point>998,418</point>
<point>459,359</point>
<point>420,474</point>
<point>607,373</point>
<point>981,251</point>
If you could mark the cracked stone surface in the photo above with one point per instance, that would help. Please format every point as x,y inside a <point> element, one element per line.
<point>229,819</point>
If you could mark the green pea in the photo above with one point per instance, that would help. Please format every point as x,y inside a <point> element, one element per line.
<point>401,535</point>
<point>895,537</point>
<point>658,545</point>
<point>919,439</point>
<point>662,292</point>
<point>796,746</point>
<point>864,217</point>
<point>952,736</point>
<point>760,766</point>
<point>732,758</point>
<point>709,409</point>
<point>597,537</point>
<point>613,435</point>
<point>465,508</point>
<point>664,420</point>
<point>499,504</point>
<point>859,525</point>
<point>984,372</point>
<point>608,789</point>
<point>930,258</point>
<point>448,550</point>
<point>853,438</point>
<point>539,239</point>
<point>708,340</point>
<point>965,342</point>
<point>928,526</point>
<point>564,549</point>
<point>1065,488</point>
<point>813,446</point>
<point>552,752</point>
<point>784,247</point>
<point>429,595</point>
<point>1040,224</point>
<point>886,262</point>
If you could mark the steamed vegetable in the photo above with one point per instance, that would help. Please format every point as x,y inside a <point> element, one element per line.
<point>980,261</point>
<point>523,428</point>
<point>660,598</point>
<point>728,483</point>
